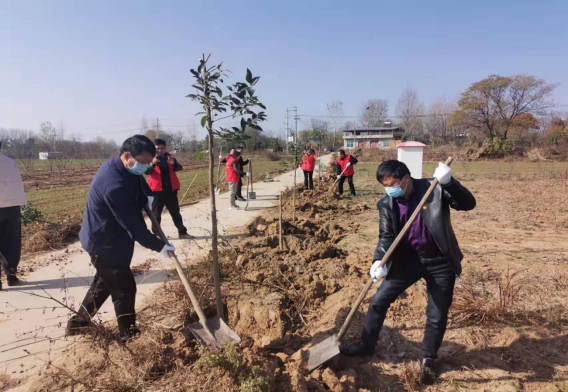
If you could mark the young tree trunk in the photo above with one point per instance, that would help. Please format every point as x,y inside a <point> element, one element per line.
<point>214,249</point>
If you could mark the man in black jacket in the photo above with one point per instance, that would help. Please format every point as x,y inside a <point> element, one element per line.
<point>429,251</point>
<point>112,223</point>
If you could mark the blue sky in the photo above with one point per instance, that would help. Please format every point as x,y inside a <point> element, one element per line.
<point>101,66</point>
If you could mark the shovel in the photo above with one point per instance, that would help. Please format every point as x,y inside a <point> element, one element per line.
<point>337,179</point>
<point>217,189</point>
<point>329,348</point>
<point>252,193</point>
<point>211,332</point>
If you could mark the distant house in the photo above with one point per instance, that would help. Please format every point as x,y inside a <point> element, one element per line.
<point>384,137</point>
<point>44,156</point>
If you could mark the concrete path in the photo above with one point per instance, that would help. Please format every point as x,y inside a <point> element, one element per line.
<point>32,324</point>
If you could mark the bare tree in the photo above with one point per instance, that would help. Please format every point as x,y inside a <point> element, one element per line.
<point>47,135</point>
<point>375,112</point>
<point>410,112</point>
<point>336,112</point>
<point>437,122</point>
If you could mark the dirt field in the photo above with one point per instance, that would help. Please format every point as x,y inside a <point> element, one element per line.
<point>508,325</point>
<point>62,199</point>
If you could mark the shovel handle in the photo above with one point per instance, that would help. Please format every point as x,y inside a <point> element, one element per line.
<point>192,297</point>
<point>389,253</point>
<point>337,179</point>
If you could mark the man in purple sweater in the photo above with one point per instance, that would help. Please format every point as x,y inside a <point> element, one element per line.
<point>429,251</point>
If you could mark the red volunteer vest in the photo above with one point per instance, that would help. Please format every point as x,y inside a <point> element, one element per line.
<point>155,179</point>
<point>309,162</point>
<point>343,163</point>
<point>232,175</point>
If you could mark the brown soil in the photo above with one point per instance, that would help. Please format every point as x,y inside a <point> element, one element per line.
<point>508,327</point>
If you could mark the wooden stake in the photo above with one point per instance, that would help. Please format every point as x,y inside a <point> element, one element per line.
<point>280,232</point>
<point>188,188</point>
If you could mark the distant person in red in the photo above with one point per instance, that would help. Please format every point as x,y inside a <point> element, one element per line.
<point>308,165</point>
<point>345,165</point>
<point>164,183</point>
<point>242,164</point>
<point>234,174</point>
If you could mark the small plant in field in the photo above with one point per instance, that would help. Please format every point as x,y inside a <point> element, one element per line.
<point>228,358</point>
<point>254,382</point>
<point>31,215</point>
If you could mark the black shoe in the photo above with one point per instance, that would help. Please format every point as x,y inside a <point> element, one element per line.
<point>240,198</point>
<point>131,333</point>
<point>186,236</point>
<point>77,326</point>
<point>428,374</point>
<point>12,279</point>
<point>358,348</point>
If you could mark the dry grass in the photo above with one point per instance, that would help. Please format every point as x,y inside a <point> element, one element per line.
<point>410,376</point>
<point>478,300</point>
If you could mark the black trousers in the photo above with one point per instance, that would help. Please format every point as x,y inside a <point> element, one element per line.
<point>308,177</point>
<point>350,181</point>
<point>170,201</point>
<point>239,189</point>
<point>10,238</point>
<point>440,280</point>
<point>119,284</point>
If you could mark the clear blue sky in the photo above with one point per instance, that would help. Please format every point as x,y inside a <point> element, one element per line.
<point>101,66</point>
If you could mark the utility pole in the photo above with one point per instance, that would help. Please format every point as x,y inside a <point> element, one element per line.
<point>296,118</point>
<point>287,131</point>
<point>157,128</point>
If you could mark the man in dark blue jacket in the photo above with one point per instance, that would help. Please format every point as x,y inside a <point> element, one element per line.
<point>429,251</point>
<point>112,222</point>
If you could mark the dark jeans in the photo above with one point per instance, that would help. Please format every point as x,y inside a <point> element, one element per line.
<point>119,284</point>
<point>170,201</point>
<point>308,176</point>
<point>440,281</point>
<point>351,185</point>
<point>10,238</point>
<point>239,189</point>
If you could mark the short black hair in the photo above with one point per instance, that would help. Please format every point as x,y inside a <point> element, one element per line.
<point>160,142</point>
<point>392,168</point>
<point>241,147</point>
<point>341,151</point>
<point>235,152</point>
<point>138,144</point>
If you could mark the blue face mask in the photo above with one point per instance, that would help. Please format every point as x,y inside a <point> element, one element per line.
<point>395,191</point>
<point>138,168</point>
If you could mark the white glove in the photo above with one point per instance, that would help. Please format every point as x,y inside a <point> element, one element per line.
<point>150,201</point>
<point>378,272</point>
<point>220,157</point>
<point>443,173</point>
<point>166,249</point>
<point>348,164</point>
<point>338,176</point>
<point>247,175</point>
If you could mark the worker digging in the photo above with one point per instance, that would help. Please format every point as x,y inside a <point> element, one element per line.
<point>234,173</point>
<point>428,251</point>
<point>346,171</point>
<point>112,223</point>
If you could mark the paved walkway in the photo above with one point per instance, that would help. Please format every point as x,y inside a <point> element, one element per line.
<point>32,330</point>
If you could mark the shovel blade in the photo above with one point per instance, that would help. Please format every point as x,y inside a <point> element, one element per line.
<point>252,195</point>
<point>222,334</point>
<point>322,352</point>
<point>217,191</point>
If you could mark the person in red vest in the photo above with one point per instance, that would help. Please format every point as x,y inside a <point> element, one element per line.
<point>163,181</point>
<point>308,165</point>
<point>234,174</point>
<point>345,165</point>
